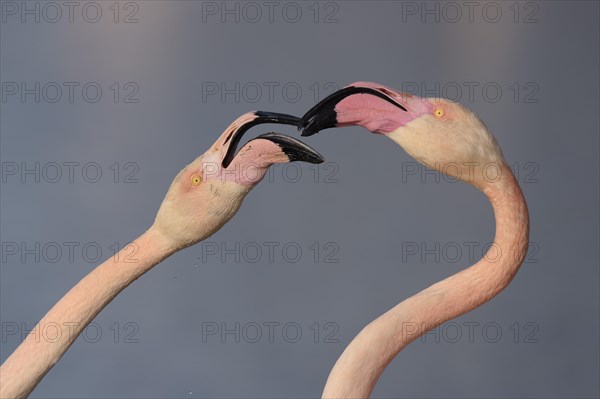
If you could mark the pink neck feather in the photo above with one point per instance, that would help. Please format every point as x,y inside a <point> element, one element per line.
<point>364,360</point>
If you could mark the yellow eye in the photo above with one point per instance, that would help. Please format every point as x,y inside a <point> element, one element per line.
<point>196,180</point>
<point>439,112</point>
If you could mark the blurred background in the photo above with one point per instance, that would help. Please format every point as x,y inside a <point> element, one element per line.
<point>104,102</point>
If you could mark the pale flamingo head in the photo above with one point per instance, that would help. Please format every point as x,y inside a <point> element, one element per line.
<point>210,190</point>
<point>440,133</point>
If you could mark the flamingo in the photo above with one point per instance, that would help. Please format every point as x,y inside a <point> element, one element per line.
<point>447,137</point>
<point>201,199</point>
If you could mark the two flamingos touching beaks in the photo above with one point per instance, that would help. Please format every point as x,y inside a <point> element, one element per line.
<point>209,191</point>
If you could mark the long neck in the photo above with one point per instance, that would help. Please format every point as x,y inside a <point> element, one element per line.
<point>364,360</point>
<point>28,364</point>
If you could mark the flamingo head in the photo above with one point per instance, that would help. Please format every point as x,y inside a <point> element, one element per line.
<point>439,133</point>
<point>210,190</point>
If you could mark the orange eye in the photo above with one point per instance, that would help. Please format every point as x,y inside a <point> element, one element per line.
<point>439,112</point>
<point>196,180</point>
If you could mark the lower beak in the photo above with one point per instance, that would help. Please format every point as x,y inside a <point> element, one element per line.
<point>324,115</point>
<point>294,149</point>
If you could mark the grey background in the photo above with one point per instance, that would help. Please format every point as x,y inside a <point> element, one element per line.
<point>369,214</point>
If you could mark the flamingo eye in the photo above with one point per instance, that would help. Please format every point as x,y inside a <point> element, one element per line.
<point>439,112</point>
<point>196,180</point>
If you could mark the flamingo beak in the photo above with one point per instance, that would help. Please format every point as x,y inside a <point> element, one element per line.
<point>371,105</point>
<point>294,149</point>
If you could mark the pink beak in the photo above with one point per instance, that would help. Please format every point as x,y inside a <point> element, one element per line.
<point>371,105</point>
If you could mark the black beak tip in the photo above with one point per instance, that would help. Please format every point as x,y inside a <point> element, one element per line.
<point>294,149</point>
<point>324,118</point>
<point>308,131</point>
<point>315,158</point>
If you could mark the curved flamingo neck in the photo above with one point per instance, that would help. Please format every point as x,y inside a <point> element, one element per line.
<point>30,362</point>
<point>364,360</point>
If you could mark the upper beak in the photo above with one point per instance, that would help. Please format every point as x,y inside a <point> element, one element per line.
<point>294,149</point>
<point>324,115</point>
